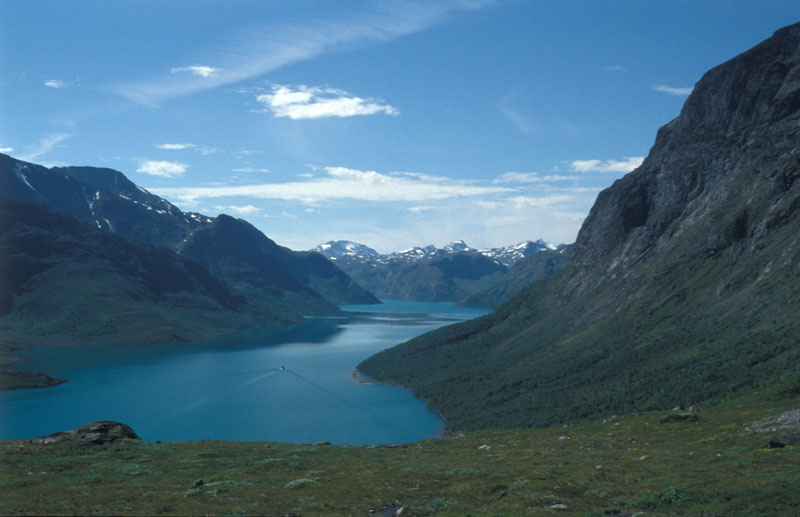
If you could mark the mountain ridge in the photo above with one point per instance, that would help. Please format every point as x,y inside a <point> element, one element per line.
<point>106,198</point>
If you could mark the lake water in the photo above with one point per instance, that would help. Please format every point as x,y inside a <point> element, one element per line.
<point>235,388</point>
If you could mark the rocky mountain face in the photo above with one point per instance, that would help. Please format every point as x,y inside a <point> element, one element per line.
<point>683,283</point>
<point>66,282</point>
<point>451,273</point>
<point>355,252</point>
<point>107,199</point>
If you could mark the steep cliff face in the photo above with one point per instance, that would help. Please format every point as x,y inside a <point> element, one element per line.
<point>683,282</point>
<point>734,148</point>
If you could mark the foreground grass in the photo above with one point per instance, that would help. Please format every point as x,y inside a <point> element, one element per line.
<point>621,465</point>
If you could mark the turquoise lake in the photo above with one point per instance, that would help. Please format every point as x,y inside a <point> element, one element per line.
<point>289,385</point>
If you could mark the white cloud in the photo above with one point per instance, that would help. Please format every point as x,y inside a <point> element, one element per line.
<point>240,209</point>
<point>56,83</point>
<point>341,183</point>
<point>249,169</point>
<point>263,48</point>
<point>162,168</point>
<point>45,145</point>
<point>310,102</point>
<point>175,147</point>
<point>672,90</point>
<point>421,208</point>
<point>6,150</point>
<point>625,165</point>
<point>531,177</point>
<point>200,70</point>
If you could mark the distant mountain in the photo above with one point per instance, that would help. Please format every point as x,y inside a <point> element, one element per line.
<point>523,273</point>
<point>428,273</point>
<point>336,249</point>
<point>682,285</point>
<point>107,199</point>
<point>66,282</point>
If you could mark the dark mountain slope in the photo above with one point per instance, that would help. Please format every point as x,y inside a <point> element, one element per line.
<point>235,251</point>
<point>107,199</point>
<point>523,273</point>
<point>683,282</point>
<point>65,282</point>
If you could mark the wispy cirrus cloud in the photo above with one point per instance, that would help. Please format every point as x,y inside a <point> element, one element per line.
<point>6,150</point>
<point>44,146</point>
<point>250,169</point>
<point>175,147</point>
<point>201,149</point>
<point>532,177</point>
<point>260,49</point>
<point>671,90</point>
<point>199,70</point>
<point>240,209</point>
<point>341,183</point>
<point>625,165</point>
<point>162,168</point>
<point>56,83</point>
<point>311,102</point>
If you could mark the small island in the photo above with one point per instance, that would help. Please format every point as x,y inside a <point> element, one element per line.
<point>21,379</point>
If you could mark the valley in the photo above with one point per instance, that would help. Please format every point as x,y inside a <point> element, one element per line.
<point>161,353</point>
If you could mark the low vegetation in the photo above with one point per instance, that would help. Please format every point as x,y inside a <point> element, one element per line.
<point>717,465</point>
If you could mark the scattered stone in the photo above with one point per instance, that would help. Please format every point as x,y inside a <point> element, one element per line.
<point>557,506</point>
<point>485,447</point>
<point>563,437</point>
<point>197,483</point>
<point>784,440</point>
<point>300,483</point>
<point>786,420</point>
<point>98,433</point>
<point>683,416</point>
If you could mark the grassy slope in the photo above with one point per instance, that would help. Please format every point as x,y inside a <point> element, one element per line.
<point>623,464</point>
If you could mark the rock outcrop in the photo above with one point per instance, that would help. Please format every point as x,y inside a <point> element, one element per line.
<point>98,433</point>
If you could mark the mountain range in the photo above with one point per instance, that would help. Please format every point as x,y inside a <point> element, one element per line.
<point>452,273</point>
<point>682,285</point>
<point>88,241</point>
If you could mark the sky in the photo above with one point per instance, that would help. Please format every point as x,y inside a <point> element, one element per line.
<point>390,123</point>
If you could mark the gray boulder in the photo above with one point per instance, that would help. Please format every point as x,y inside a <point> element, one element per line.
<point>100,432</point>
<point>682,416</point>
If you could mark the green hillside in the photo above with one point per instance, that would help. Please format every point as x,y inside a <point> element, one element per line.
<point>683,283</point>
<point>97,287</point>
<point>718,465</point>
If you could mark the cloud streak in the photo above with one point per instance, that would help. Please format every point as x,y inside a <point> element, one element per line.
<point>261,49</point>
<point>162,168</point>
<point>671,90</point>
<point>341,183</point>
<point>199,70</point>
<point>45,145</point>
<point>310,102</point>
<point>625,165</point>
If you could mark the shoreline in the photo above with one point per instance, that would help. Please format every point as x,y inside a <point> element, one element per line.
<point>446,432</point>
<point>355,378</point>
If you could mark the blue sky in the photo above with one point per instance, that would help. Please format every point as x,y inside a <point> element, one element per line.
<point>391,123</point>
